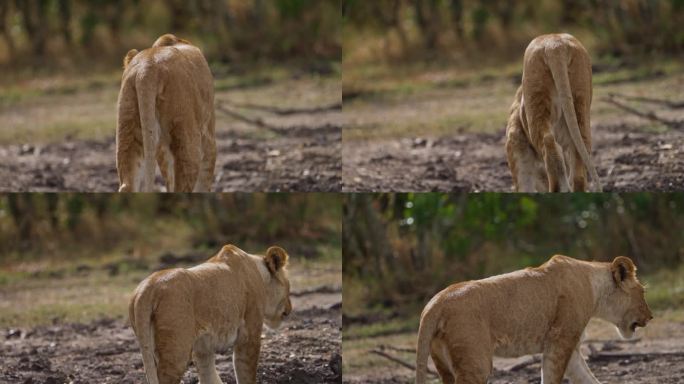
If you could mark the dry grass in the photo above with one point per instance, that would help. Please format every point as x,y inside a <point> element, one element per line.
<point>384,102</point>
<point>59,107</point>
<point>27,301</point>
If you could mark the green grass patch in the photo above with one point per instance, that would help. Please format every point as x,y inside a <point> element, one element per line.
<point>665,289</point>
<point>383,328</point>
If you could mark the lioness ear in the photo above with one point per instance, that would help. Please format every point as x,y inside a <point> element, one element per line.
<point>129,56</point>
<point>276,259</point>
<point>622,269</point>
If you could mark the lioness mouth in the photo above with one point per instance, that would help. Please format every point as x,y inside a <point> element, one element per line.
<point>634,326</point>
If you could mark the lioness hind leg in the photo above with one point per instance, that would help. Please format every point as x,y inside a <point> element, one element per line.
<point>128,165</point>
<point>187,157</point>
<point>206,177</point>
<point>440,356</point>
<point>472,365</point>
<point>174,355</point>
<point>522,161</point>
<point>578,173</point>
<point>165,162</point>
<point>555,168</point>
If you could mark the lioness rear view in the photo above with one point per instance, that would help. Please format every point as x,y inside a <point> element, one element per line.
<point>535,310</point>
<point>548,136</point>
<point>166,114</point>
<point>178,314</point>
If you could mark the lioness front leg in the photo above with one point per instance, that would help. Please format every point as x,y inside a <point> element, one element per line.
<point>578,371</point>
<point>245,359</point>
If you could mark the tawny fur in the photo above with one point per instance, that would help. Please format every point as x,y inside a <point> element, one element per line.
<point>535,310</point>
<point>166,115</point>
<point>548,136</point>
<point>182,314</point>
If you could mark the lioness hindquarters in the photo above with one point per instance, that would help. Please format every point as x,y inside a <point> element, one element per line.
<point>552,115</point>
<point>171,87</point>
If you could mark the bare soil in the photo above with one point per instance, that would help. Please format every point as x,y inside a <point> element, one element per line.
<point>291,161</point>
<point>627,157</point>
<point>306,349</point>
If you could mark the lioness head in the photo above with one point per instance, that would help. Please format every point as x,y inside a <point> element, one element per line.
<point>278,304</point>
<point>626,306</point>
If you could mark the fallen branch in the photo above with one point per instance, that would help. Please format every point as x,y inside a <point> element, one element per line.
<point>397,349</point>
<point>602,356</point>
<point>667,103</point>
<point>259,122</point>
<point>319,289</point>
<point>285,111</point>
<point>527,361</point>
<point>646,115</point>
<point>399,361</point>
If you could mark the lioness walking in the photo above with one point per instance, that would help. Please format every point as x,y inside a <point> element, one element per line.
<point>166,115</point>
<point>535,310</point>
<point>548,136</point>
<point>179,314</point>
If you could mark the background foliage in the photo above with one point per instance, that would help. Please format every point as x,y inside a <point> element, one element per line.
<point>400,249</point>
<point>453,28</point>
<point>69,226</point>
<point>48,32</point>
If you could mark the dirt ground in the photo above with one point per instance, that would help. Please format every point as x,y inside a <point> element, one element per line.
<point>306,349</point>
<point>643,361</point>
<point>431,131</point>
<point>627,158</point>
<point>280,136</point>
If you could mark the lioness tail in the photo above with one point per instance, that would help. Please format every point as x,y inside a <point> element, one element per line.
<point>140,314</point>
<point>428,325</point>
<point>558,65</point>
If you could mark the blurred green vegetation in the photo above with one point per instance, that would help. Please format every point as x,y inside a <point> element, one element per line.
<point>45,228</point>
<point>401,249</point>
<point>451,29</point>
<point>90,33</point>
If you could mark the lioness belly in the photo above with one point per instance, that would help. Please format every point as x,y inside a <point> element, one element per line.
<point>508,347</point>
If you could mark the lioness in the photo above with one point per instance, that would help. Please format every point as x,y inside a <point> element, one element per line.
<point>535,310</point>
<point>548,136</point>
<point>166,114</point>
<point>179,313</point>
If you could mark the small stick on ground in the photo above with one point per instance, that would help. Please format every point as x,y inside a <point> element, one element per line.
<point>286,111</point>
<point>668,103</point>
<point>399,361</point>
<point>398,349</point>
<point>295,130</point>
<point>319,289</point>
<point>529,360</point>
<point>602,356</point>
<point>646,115</point>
